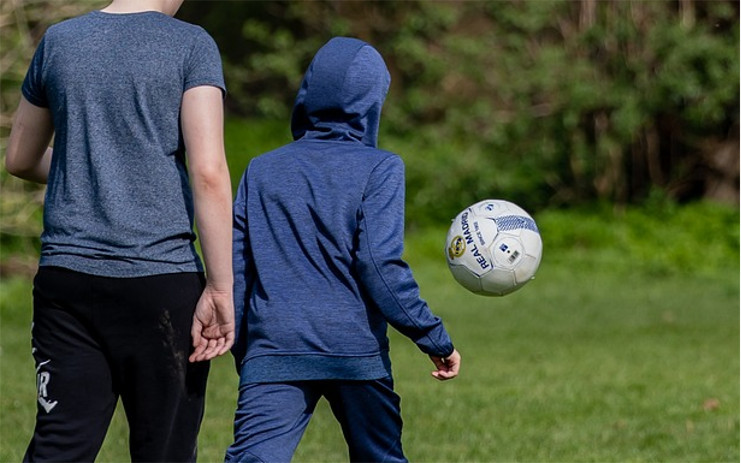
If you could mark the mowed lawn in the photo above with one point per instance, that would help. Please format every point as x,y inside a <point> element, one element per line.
<point>585,363</point>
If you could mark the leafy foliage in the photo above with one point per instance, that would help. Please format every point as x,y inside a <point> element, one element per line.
<point>553,102</point>
<point>545,103</point>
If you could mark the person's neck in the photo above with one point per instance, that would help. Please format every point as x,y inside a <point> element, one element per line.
<point>135,6</point>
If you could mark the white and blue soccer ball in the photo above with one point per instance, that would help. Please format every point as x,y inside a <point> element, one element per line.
<point>493,247</point>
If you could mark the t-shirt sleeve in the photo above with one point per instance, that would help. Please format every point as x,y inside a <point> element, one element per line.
<point>33,84</point>
<point>204,64</point>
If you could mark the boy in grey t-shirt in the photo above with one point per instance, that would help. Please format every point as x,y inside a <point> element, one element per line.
<point>121,305</point>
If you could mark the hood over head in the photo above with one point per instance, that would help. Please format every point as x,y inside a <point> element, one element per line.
<point>342,93</point>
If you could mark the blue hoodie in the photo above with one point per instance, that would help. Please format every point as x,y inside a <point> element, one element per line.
<point>318,237</point>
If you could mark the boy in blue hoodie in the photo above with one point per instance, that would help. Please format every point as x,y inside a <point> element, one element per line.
<point>318,270</point>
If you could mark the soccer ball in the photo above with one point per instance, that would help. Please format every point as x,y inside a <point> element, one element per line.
<point>493,247</point>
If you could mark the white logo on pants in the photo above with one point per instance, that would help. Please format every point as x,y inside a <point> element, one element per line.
<point>42,379</point>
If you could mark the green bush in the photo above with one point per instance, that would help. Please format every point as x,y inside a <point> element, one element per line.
<point>697,239</point>
<point>552,103</point>
<point>549,104</point>
<point>663,239</point>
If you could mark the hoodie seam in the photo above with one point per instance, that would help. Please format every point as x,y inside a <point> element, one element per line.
<point>378,272</point>
<point>346,72</point>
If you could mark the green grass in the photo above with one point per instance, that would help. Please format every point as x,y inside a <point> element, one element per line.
<point>596,360</point>
<point>586,367</point>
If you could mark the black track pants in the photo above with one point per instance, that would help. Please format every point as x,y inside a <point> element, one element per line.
<point>96,339</point>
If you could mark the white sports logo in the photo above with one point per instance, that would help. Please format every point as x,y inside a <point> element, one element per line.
<point>42,379</point>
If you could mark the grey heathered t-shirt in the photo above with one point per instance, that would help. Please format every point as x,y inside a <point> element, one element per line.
<point>118,201</point>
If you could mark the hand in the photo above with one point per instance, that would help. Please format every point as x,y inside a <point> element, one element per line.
<point>447,367</point>
<point>213,325</point>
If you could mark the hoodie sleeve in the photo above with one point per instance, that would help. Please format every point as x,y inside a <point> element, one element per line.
<point>385,276</point>
<point>243,272</point>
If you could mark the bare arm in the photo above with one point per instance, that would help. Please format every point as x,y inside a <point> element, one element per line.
<point>202,121</point>
<point>28,155</point>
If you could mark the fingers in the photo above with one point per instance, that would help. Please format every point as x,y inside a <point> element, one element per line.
<point>208,349</point>
<point>444,374</point>
<point>448,367</point>
<point>212,348</point>
<point>208,343</point>
<point>441,376</point>
<point>213,327</point>
<point>229,341</point>
<point>197,354</point>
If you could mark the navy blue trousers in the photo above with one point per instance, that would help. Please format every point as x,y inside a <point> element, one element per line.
<point>98,339</point>
<point>271,419</point>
